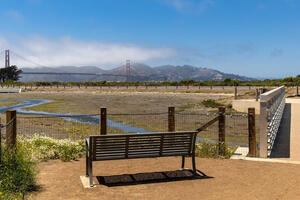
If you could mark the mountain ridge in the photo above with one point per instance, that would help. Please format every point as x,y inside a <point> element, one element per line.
<point>138,71</point>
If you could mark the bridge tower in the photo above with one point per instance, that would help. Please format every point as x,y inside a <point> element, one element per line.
<point>127,70</point>
<point>7,64</point>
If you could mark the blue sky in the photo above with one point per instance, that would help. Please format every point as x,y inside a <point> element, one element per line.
<point>258,38</point>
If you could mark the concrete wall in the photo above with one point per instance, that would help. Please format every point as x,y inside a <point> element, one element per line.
<point>242,105</point>
<point>10,90</point>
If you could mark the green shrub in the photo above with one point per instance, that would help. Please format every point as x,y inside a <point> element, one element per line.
<point>17,173</point>
<point>210,103</point>
<point>210,150</point>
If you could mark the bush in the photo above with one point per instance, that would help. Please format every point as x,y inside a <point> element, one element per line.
<point>210,103</point>
<point>209,150</point>
<point>45,148</point>
<point>17,173</point>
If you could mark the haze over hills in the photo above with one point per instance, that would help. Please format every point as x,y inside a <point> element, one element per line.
<point>139,72</point>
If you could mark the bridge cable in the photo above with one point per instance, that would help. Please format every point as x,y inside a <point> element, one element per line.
<point>28,60</point>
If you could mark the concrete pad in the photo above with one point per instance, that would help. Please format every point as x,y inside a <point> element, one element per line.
<point>292,100</point>
<point>85,180</point>
<point>240,153</point>
<point>295,131</point>
<point>286,161</point>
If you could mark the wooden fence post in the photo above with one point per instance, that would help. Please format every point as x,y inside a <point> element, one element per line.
<point>11,129</point>
<point>252,132</point>
<point>0,144</point>
<point>171,119</point>
<point>103,122</point>
<point>222,131</point>
<point>256,94</point>
<point>235,92</point>
<point>297,90</point>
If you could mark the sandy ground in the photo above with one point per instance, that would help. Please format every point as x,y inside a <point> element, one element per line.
<point>231,179</point>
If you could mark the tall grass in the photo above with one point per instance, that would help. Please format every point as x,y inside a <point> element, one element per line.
<point>17,173</point>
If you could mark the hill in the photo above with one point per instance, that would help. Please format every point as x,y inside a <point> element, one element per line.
<point>139,72</point>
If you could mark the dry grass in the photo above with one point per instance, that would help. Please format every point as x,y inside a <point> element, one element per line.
<point>88,101</point>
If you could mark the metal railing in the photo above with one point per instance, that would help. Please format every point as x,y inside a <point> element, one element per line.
<point>272,105</point>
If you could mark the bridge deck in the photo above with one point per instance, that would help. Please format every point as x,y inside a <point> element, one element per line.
<point>287,144</point>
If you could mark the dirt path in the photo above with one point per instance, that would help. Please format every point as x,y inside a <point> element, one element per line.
<point>232,179</point>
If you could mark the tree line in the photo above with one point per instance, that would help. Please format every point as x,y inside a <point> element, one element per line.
<point>11,75</point>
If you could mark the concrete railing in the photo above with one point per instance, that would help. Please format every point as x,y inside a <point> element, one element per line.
<point>272,105</point>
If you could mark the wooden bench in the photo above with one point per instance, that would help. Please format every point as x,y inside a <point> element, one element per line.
<point>140,145</point>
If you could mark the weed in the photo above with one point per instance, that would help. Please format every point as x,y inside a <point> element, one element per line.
<point>210,103</point>
<point>210,150</point>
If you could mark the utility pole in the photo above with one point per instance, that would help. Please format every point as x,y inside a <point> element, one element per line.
<point>7,58</point>
<point>127,70</point>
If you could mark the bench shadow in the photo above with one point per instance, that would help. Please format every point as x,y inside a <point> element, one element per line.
<point>281,147</point>
<point>150,177</point>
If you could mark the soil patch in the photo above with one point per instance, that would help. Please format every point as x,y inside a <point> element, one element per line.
<point>232,179</point>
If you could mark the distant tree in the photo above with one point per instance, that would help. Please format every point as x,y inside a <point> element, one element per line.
<point>187,82</point>
<point>11,73</point>
<point>288,79</point>
<point>228,81</point>
<point>236,82</point>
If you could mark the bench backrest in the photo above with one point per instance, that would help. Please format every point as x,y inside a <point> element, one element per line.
<point>125,146</point>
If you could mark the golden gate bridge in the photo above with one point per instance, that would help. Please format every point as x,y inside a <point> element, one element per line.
<point>7,64</point>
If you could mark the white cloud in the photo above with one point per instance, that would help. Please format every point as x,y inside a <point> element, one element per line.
<point>179,5</point>
<point>195,6</point>
<point>14,15</point>
<point>67,51</point>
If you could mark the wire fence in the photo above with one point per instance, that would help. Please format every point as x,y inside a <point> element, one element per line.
<point>81,126</point>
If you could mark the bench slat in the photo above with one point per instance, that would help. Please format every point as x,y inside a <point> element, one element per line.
<point>110,147</point>
<point>142,151</point>
<point>141,156</point>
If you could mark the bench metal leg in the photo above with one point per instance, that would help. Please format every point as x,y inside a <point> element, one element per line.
<point>183,161</point>
<point>91,173</point>
<point>87,161</point>
<point>194,164</point>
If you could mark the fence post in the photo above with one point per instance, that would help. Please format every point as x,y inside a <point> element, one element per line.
<point>221,130</point>
<point>171,119</point>
<point>252,132</point>
<point>11,133</point>
<point>256,94</point>
<point>297,90</point>
<point>0,143</point>
<point>103,122</point>
<point>235,93</point>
